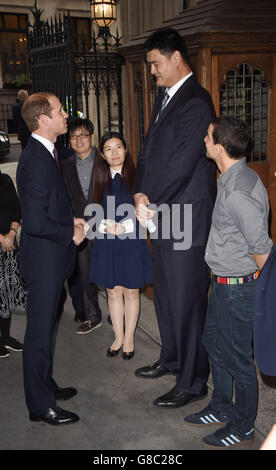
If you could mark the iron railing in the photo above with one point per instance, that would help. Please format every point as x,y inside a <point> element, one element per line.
<point>76,75</point>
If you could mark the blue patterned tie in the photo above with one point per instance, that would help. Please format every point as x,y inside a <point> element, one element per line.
<point>163,104</point>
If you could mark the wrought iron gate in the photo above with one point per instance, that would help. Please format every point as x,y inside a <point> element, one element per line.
<point>73,75</point>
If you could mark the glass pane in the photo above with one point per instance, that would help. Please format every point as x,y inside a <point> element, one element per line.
<point>245,95</point>
<point>83,26</point>
<point>11,21</point>
<point>81,33</point>
<point>23,22</point>
<point>14,53</point>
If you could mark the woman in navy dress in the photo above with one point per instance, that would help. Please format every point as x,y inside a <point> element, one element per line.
<point>121,261</point>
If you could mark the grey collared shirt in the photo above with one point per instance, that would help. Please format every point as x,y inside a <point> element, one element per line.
<point>84,169</point>
<point>239,223</point>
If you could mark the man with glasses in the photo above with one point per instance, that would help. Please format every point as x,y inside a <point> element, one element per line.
<point>77,173</point>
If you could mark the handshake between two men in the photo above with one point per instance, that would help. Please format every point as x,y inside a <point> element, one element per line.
<point>79,234</point>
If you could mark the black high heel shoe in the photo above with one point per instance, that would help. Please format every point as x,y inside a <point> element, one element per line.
<point>112,352</point>
<point>127,355</point>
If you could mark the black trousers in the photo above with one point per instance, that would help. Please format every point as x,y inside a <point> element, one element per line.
<point>180,280</point>
<point>42,306</point>
<point>90,290</point>
<point>5,325</point>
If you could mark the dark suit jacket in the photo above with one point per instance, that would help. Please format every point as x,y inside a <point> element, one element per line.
<point>172,166</point>
<point>47,252</point>
<point>21,128</point>
<point>265,317</point>
<point>75,192</point>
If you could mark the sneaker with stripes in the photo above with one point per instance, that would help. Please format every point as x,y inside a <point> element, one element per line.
<point>206,416</point>
<point>228,437</point>
<point>13,344</point>
<point>3,351</point>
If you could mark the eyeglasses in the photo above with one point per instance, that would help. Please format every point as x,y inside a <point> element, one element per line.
<point>79,136</point>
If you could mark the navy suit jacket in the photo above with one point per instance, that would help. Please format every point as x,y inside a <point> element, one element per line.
<point>265,317</point>
<point>172,166</point>
<point>47,252</point>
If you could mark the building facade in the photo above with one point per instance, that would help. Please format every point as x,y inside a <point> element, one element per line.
<point>232,47</point>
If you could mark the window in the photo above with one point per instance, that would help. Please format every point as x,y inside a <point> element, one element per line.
<point>14,51</point>
<point>81,33</point>
<point>245,94</point>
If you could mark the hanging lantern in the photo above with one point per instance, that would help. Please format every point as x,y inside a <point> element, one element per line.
<point>104,12</point>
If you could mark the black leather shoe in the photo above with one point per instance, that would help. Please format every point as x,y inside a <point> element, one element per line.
<point>153,372</point>
<point>128,355</point>
<point>65,393</point>
<point>55,416</point>
<point>112,352</point>
<point>175,398</point>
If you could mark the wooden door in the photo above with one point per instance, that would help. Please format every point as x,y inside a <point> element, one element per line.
<point>261,70</point>
<point>248,97</point>
<point>140,99</point>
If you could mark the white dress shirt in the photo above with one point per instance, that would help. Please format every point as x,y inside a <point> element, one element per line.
<point>47,143</point>
<point>171,91</point>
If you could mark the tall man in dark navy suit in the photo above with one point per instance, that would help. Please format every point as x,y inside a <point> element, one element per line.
<point>47,253</point>
<point>173,170</point>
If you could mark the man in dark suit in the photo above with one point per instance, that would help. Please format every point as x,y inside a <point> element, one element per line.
<point>77,173</point>
<point>20,125</point>
<point>173,170</point>
<point>47,253</point>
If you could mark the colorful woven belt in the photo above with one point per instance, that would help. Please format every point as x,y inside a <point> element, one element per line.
<point>235,280</point>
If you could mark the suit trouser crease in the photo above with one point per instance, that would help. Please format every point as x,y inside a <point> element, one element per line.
<point>42,306</point>
<point>180,296</point>
<point>228,340</point>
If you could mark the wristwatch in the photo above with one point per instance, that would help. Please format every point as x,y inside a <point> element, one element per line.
<point>14,229</point>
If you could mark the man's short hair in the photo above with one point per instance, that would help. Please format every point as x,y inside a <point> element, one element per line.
<point>167,41</point>
<point>81,123</point>
<point>233,134</point>
<point>34,106</point>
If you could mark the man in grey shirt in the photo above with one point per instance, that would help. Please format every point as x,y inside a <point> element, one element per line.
<point>77,173</point>
<point>237,249</point>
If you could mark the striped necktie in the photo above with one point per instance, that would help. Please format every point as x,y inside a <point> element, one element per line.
<point>163,104</point>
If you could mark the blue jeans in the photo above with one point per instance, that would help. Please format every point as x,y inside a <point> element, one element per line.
<point>228,340</point>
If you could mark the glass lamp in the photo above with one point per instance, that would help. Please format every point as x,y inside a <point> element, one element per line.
<point>104,12</point>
